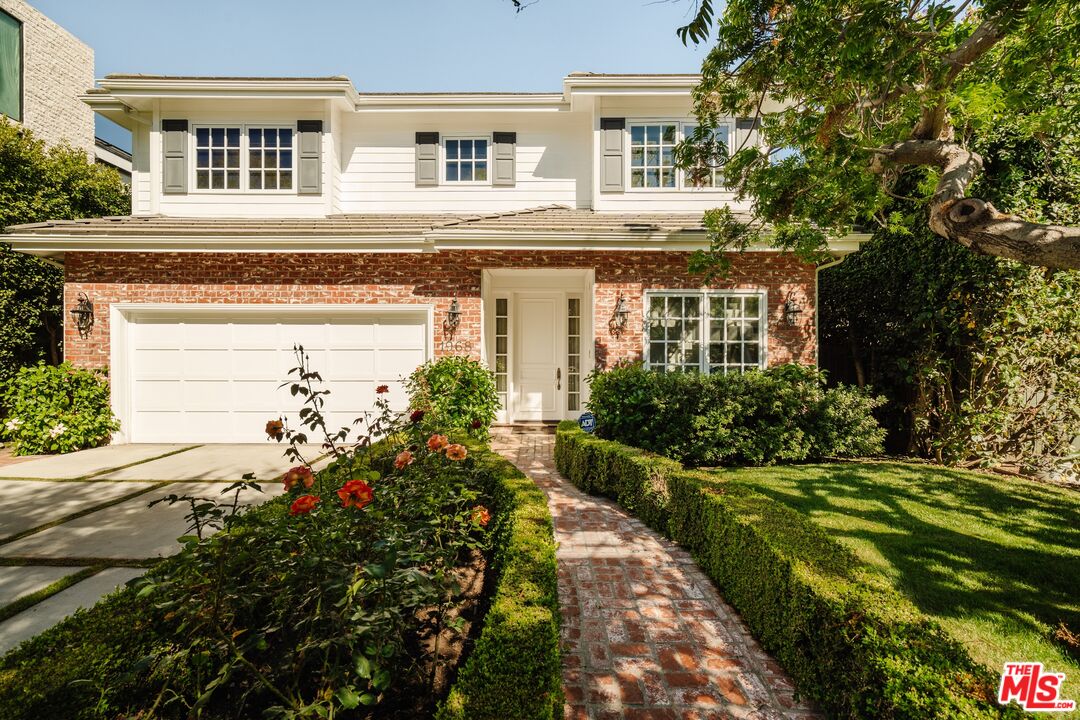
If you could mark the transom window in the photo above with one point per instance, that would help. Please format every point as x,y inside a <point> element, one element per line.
<point>270,158</point>
<point>243,159</point>
<point>705,331</point>
<point>466,160</point>
<point>652,155</point>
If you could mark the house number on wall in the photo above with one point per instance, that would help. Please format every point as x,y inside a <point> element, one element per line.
<point>458,347</point>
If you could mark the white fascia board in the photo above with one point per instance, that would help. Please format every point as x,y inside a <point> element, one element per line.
<point>137,91</point>
<point>443,103</point>
<point>57,245</point>
<point>674,241</point>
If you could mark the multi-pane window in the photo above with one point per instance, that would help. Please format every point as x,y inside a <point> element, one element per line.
<point>217,158</point>
<point>502,343</point>
<point>573,354</point>
<point>652,155</point>
<point>711,173</point>
<point>270,158</point>
<point>466,160</point>
<point>251,158</point>
<point>701,331</point>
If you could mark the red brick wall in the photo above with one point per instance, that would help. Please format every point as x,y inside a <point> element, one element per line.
<point>421,278</point>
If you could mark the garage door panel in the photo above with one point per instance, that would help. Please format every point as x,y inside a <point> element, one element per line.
<point>403,334</point>
<point>349,364</point>
<point>351,334</point>
<point>397,364</point>
<point>217,379</point>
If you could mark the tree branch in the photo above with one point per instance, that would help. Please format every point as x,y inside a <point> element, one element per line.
<point>975,223</point>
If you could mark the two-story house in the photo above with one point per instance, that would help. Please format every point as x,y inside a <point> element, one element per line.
<point>545,233</point>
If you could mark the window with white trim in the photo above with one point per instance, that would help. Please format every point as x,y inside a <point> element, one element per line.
<point>705,331</point>
<point>652,155</point>
<point>248,158</point>
<point>502,348</point>
<point>712,177</point>
<point>466,160</point>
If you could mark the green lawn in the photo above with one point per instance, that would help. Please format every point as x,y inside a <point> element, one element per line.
<point>996,561</point>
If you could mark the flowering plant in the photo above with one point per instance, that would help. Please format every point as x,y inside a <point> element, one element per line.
<point>321,607</point>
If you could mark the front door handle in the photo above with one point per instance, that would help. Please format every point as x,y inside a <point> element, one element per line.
<point>558,378</point>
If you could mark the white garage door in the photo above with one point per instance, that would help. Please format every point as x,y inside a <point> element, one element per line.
<point>209,375</point>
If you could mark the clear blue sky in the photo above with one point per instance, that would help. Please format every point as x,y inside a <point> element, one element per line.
<point>382,45</point>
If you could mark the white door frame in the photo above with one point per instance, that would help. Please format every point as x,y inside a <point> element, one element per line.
<point>121,354</point>
<point>511,283</point>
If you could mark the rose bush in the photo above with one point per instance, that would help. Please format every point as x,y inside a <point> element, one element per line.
<point>456,393</point>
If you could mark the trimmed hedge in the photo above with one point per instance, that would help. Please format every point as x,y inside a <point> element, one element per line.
<point>87,665</point>
<point>783,414</point>
<point>514,670</point>
<point>851,643</point>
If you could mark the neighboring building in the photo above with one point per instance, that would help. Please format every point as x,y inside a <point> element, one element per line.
<point>44,70</point>
<point>273,211</point>
<point>105,153</point>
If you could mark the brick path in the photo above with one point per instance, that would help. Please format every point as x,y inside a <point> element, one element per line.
<point>644,632</point>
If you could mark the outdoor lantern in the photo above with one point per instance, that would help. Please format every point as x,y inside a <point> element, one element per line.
<point>620,317</point>
<point>791,312</point>
<point>453,318</point>
<point>83,315</point>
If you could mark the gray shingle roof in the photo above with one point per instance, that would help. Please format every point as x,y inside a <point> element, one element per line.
<point>548,219</point>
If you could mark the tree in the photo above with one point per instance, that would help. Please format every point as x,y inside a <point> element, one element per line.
<point>871,95</point>
<point>42,183</point>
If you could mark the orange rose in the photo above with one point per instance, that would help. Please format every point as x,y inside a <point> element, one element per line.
<point>436,442</point>
<point>303,504</point>
<point>355,493</point>
<point>480,515</point>
<point>275,429</point>
<point>403,459</point>
<point>301,475</point>
<point>456,452</point>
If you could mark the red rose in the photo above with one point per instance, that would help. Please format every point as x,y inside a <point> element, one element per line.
<point>382,389</point>
<point>301,475</point>
<point>477,424</point>
<point>417,416</point>
<point>303,504</point>
<point>355,493</point>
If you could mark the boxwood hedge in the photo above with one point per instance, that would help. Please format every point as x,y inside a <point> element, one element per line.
<point>852,644</point>
<point>87,666</point>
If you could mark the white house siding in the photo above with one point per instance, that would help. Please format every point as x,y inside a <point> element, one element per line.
<point>379,155</point>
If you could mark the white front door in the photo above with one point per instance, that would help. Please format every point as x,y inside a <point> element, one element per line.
<point>539,376</point>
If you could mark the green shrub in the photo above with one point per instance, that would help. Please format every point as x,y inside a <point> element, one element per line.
<point>514,671</point>
<point>783,414</point>
<point>457,393</point>
<point>851,643</point>
<point>57,409</point>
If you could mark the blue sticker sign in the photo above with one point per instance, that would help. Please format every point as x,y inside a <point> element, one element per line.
<point>587,422</point>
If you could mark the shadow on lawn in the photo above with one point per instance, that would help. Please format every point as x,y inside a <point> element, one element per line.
<point>959,546</point>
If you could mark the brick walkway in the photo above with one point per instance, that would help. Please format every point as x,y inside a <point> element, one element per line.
<point>644,632</point>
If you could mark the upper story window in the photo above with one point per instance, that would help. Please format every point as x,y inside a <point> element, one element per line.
<point>705,331</point>
<point>11,70</point>
<point>270,158</point>
<point>652,149</point>
<point>652,156</point>
<point>466,160</point>
<point>713,175</point>
<point>252,158</point>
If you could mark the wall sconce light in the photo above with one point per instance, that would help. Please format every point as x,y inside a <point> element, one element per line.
<point>453,318</point>
<point>83,315</point>
<point>791,312</point>
<point>619,318</point>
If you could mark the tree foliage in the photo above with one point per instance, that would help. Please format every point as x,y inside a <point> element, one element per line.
<point>40,183</point>
<point>858,98</point>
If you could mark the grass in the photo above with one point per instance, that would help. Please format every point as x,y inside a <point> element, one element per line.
<point>996,561</point>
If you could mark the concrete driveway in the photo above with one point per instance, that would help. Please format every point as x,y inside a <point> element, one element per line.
<point>74,527</point>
